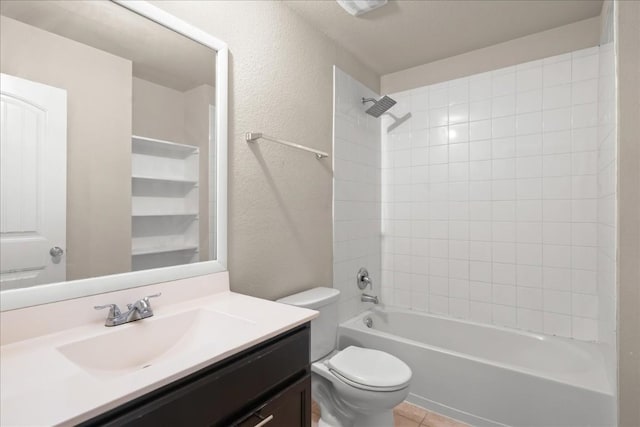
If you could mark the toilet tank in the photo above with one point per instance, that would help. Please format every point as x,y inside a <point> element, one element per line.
<point>324,328</point>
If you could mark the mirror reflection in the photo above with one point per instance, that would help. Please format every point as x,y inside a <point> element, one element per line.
<point>107,138</point>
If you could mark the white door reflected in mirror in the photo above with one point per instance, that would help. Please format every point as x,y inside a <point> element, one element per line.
<point>33,141</point>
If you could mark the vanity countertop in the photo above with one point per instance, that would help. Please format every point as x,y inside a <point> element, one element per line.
<point>42,386</point>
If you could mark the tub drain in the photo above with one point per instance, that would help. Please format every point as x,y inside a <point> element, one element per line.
<point>368,322</point>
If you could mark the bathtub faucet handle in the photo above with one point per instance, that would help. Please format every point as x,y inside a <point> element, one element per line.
<point>363,279</point>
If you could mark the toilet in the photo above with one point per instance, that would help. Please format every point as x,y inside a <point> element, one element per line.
<point>355,386</point>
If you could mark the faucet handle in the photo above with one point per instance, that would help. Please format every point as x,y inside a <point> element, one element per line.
<point>114,311</point>
<point>146,299</point>
<point>153,296</point>
<point>363,279</point>
<point>144,303</point>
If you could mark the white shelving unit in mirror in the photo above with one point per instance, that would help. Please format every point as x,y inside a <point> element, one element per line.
<point>164,203</point>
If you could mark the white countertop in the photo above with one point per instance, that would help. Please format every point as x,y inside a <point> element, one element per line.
<point>40,386</point>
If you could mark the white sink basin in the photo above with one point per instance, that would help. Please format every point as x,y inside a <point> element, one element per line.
<point>138,345</point>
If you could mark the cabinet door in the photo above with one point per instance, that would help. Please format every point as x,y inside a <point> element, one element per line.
<point>289,408</point>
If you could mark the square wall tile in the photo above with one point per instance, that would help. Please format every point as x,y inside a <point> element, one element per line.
<point>503,81</point>
<point>528,102</point>
<point>529,79</point>
<point>556,97</point>
<point>557,73</point>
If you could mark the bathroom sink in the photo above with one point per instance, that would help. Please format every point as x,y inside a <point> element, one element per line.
<point>144,343</point>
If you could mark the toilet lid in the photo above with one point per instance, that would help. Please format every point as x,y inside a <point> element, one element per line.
<point>371,368</point>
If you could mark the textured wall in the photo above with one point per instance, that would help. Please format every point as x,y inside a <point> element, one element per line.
<point>281,78</point>
<point>579,35</point>
<point>356,193</point>
<point>628,68</point>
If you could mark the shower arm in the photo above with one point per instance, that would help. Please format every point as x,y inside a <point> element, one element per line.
<point>365,100</point>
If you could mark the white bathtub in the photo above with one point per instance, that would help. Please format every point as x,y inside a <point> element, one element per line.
<point>489,376</point>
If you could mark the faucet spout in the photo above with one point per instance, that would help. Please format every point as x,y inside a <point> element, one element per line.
<point>140,309</point>
<point>369,298</point>
<point>132,315</point>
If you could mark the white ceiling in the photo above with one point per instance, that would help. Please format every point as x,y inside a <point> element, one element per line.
<point>158,54</point>
<point>405,33</point>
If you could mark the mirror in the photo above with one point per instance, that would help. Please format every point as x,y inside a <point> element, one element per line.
<point>113,149</point>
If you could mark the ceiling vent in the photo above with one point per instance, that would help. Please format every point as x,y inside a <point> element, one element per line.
<point>360,7</point>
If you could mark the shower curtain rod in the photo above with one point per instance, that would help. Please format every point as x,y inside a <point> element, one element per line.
<point>254,136</point>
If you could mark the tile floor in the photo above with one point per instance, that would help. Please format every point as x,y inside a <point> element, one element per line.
<point>406,415</point>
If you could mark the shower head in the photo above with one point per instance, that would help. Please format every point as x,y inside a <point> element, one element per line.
<point>379,106</point>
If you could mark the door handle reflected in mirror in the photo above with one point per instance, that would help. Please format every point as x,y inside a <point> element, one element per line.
<point>56,251</point>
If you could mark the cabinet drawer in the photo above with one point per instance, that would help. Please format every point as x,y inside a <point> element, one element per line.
<point>221,393</point>
<point>289,408</point>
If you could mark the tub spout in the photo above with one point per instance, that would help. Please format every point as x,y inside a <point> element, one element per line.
<point>369,298</point>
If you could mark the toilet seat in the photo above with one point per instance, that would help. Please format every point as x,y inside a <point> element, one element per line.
<point>369,369</point>
<point>364,386</point>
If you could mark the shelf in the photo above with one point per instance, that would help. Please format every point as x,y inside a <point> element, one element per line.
<point>158,215</point>
<point>164,203</point>
<point>169,180</point>
<point>162,250</point>
<point>153,146</point>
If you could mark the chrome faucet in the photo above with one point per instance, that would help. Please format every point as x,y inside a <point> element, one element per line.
<point>141,309</point>
<point>363,281</point>
<point>369,298</point>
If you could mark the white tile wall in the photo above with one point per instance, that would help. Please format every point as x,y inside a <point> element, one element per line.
<point>356,192</point>
<point>494,194</point>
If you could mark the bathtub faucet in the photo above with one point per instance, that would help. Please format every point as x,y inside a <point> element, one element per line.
<point>369,298</point>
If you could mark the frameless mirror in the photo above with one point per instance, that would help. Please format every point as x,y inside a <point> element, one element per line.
<point>113,151</point>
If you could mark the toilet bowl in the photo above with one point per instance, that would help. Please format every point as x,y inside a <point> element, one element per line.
<point>359,387</point>
<point>355,386</point>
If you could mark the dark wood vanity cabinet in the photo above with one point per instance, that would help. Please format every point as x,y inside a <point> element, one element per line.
<point>267,385</point>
